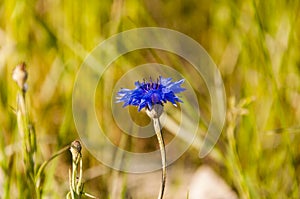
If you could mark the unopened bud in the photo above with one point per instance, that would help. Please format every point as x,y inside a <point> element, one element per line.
<point>75,149</point>
<point>20,75</point>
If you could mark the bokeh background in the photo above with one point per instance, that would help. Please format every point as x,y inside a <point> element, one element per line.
<point>255,45</point>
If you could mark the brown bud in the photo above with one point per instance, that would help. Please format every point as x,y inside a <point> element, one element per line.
<point>75,149</point>
<point>20,75</point>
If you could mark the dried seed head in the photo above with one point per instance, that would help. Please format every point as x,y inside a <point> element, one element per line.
<point>20,75</point>
<point>75,149</point>
<point>156,111</point>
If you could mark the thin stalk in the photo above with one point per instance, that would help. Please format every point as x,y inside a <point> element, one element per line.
<point>71,192</point>
<point>76,184</point>
<point>26,130</point>
<point>29,144</point>
<point>236,110</point>
<point>236,165</point>
<point>75,176</point>
<point>43,166</point>
<point>79,182</point>
<point>157,128</point>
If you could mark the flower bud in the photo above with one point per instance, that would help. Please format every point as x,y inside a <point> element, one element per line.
<point>75,149</point>
<point>20,75</point>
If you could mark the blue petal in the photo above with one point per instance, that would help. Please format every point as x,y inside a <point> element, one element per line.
<point>146,94</point>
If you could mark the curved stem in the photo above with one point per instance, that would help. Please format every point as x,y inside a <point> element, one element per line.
<point>160,139</point>
<point>43,166</point>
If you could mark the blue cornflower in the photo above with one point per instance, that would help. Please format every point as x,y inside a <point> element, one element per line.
<point>146,94</point>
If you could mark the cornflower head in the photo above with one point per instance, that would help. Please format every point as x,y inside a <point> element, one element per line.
<point>147,94</point>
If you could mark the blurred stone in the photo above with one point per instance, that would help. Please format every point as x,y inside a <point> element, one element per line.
<point>206,184</point>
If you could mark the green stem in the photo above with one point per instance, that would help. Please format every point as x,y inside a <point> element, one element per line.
<point>75,182</point>
<point>43,166</point>
<point>74,174</point>
<point>232,155</point>
<point>160,139</point>
<point>79,182</point>
<point>71,192</point>
<point>28,139</point>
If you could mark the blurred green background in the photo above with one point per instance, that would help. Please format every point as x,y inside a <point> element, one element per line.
<point>255,45</point>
